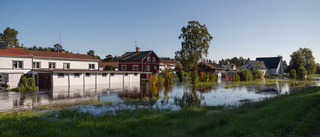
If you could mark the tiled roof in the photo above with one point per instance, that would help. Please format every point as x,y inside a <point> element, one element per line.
<point>47,54</point>
<point>270,62</point>
<point>213,65</point>
<point>135,55</point>
<point>113,64</point>
<point>14,52</point>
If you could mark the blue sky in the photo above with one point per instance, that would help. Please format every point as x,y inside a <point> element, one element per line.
<point>247,28</point>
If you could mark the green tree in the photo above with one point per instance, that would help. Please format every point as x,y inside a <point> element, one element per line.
<point>91,53</point>
<point>10,37</point>
<point>296,61</point>
<point>318,69</point>
<point>108,67</point>
<point>293,74</point>
<point>109,58</point>
<point>302,73</point>
<point>58,47</point>
<point>308,60</point>
<point>195,43</point>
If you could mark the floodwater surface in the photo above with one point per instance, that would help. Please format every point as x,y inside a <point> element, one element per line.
<point>136,95</point>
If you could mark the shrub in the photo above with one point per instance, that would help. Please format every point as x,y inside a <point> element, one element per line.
<point>161,79</point>
<point>27,85</point>
<point>154,80</point>
<point>302,73</point>
<point>245,75</point>
<point>194,75</point>
<point>108,67</point>
<point>267,76</point>
<point>205,77</point>
<point>257,74</point>
<point>236,78</point>
<point>167,76</point>
<point>213,77</point>
<point>293,74</point>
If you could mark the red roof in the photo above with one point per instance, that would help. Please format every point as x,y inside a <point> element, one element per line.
<point>213,65</point>
<point>113,64</point>
<point>47,54</point>
<point>168,62</point>
<point>14,52</point>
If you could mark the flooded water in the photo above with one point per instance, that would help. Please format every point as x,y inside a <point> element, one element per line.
<point>131,96</point>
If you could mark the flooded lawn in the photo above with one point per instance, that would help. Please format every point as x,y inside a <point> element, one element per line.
<point>138,95</point>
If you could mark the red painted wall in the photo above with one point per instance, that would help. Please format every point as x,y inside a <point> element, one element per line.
<point>153,64</point>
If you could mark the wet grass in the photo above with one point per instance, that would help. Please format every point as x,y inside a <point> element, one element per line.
<point>295,114</point>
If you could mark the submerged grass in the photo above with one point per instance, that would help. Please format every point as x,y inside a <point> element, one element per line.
<point>295,114</point>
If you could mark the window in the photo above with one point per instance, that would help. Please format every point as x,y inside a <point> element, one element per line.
<point>148,59</point>
<point>76,75</point>
<point>135,67</point>
<point>66,65</point>
<point>123,67</point>
<point>112,74</point>
<point>135,74</point>
<point>0,78</point>
<point>60,75</point>
<point>87,74</point>
<point>52,65</point>
<point>104,74</point>
<point>91,66</point>
<point>153,59</point>
<point>155,67</point>
<point>36,65</point>
<point>17,64</point>
<point>126,74</point>
<point>147,67</point>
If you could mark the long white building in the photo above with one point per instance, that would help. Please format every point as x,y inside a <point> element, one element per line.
<point>55,70</point>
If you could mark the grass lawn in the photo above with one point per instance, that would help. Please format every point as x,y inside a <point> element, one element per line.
<point>297,114</point>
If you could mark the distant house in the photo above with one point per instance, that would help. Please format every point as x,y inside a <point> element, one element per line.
<point>255,65</point>
<point>170,64</point>
<point>274,65</point>
<point>210,68</point>
<point>102,65</point>
<point>143,61</point>
<point>230,67</point>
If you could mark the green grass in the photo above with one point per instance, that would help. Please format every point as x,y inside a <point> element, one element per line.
<point>296,114</point>
<point>314,76</point>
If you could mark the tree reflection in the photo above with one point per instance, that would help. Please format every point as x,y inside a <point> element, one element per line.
<point>189,99</point>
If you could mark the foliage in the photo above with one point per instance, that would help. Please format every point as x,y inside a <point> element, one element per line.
<point>91,53</point>
<point>161,79</point>
<point>168,76</point>
<point>108,67</point>
<point>245,75</point>
<point>165,58</point>
<point>10,37</point>
<point>302,73</point>
<point>236,78</point>
<point>257,74</point>
<point>204,77</point>
<point>110,58</point>
<point>267,76</point>
<point>213,78</point>
<point>183,75</point>
<point>318,69</point>
<point>293,74</point>
<point>58,47</point>
<point>303,57</point>
<point>26,85</point>
<point>194,75</point>
<point>154,79</point>
<point>236,61</point>
<point>195,43</point>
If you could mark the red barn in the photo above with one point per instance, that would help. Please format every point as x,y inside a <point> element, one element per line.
<point>144,61</point>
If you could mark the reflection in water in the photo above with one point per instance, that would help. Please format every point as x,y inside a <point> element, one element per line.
<point>178,95</point>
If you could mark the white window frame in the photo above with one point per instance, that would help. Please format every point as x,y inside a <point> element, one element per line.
<point>135,67</point>
<point>88,74</point>
<point>34,65</point>
<point>123,67</point>
<point>148,59</point>
<point>60,76</point>
<point>147,67</point>
<point>91,66</point>
<point>53,65</point>
<point>68,66</point>
<point>153,59</point>
<point>19,64</point>
<point>76,76</point>
<point>155,67</point>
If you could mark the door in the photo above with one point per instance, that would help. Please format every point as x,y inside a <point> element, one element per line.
<point>44,81</point>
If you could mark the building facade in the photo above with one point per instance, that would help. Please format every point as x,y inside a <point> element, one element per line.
<point>274,65</point>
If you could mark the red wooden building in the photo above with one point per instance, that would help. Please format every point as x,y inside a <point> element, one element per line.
<point>143,61</point>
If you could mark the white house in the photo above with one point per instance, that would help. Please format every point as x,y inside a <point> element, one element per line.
<point>54,70</point>
<point>255,65</point>
<point>170,64</point>
<point>274,65</point>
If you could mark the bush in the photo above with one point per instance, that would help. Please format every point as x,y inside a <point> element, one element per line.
<point>302,73</point>
<point>27,85</point>
<point>161,79</point>
<point>236,78</point>
<point>108,67</point>
<point>257,74</point>
<point>183,75</point>
<point>245,75</point>
<point>154,80</point>
<point>194,75</point>
<point>267,76</point>
<point>293,74</point>
<point>213,77</point>
<point>167,76</point>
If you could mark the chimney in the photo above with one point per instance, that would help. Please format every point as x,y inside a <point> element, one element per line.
<point>3,45</point>
<point>137,49</point>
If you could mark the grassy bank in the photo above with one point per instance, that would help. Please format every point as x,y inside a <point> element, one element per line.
<point>297,114</point>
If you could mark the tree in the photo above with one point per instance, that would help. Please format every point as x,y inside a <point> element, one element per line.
<point>10,37</point>
<point>302,73</point>
<point>91,53</point>
<point>293,74</point>
<point>108,67</point>
<point>308,60</point>
<point>109,58</point>
<point>58,47</point>
<point>318,69</point>
<point>195,43</point>
<point>296,61</point>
